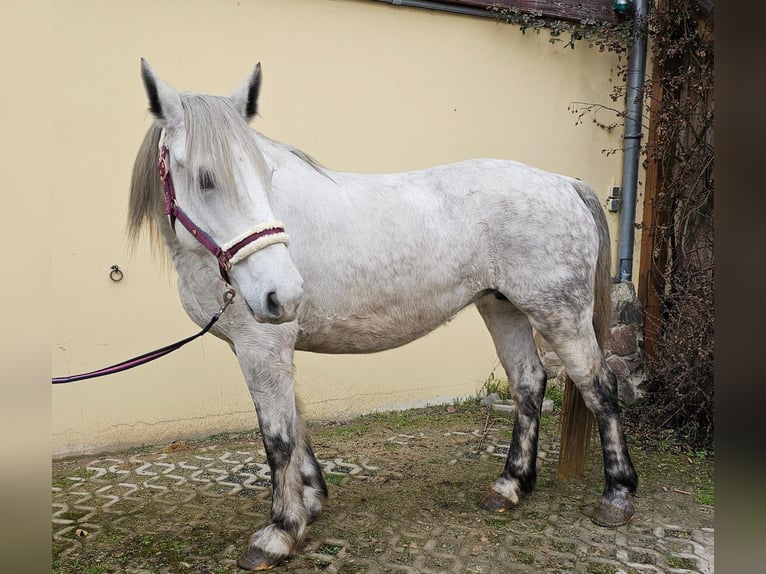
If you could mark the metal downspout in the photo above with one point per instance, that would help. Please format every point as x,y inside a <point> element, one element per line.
<point>632,142</point>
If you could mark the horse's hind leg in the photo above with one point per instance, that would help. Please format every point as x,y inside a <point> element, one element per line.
<point>515,345</point>
<point>298,488</point>
<point>584,362</point>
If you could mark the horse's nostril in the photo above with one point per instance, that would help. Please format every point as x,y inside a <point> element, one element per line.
<point>272,304</point>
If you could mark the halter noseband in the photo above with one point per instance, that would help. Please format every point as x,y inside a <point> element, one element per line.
<point>229,253</point>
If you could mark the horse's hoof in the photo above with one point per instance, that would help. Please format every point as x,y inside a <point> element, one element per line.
<point>495,502</point>
<point>611,516</point>
<point>255,559</point>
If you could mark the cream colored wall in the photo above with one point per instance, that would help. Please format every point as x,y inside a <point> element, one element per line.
<point>359,85</point>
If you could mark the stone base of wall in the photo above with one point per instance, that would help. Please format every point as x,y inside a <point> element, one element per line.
<point>624,351</point>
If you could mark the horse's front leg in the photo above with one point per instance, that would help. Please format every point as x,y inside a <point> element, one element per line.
<point>298,488</point>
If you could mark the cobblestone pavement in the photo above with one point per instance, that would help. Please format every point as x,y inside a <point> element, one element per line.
<point>403,499</point>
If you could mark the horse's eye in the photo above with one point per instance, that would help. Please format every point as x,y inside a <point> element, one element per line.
<point>206,180</point>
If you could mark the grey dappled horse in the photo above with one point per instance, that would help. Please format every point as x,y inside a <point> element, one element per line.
<point>374,262</point>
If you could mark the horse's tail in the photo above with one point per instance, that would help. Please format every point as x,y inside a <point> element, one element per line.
<point>576,419</point>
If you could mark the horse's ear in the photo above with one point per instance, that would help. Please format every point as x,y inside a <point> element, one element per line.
<point>164,102</point>
<point>246,96</point>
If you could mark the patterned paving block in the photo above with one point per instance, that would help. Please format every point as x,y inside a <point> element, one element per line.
<point>411,507</point>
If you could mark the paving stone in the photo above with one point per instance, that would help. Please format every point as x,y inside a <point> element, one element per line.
<point>192,510</point>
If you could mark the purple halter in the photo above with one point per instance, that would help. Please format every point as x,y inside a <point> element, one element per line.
<point>263,235</point>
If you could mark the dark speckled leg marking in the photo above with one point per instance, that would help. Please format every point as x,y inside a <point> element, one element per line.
<point>621,480</point>
<point>586,366</point>
<point>298,488</point>
<point>512,335</point>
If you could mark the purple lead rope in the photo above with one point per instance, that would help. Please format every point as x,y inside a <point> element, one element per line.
<point>151,355</point>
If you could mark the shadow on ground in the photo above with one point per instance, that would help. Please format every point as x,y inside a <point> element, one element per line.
<point>403,498</point>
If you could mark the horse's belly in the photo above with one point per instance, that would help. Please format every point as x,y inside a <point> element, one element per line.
<point>369,332</point>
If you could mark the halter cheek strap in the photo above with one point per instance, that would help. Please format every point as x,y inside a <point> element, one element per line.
<point>230,253</point>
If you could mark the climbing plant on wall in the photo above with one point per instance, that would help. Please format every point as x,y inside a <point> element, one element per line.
<point>677,263</point>
<point>679,268</point>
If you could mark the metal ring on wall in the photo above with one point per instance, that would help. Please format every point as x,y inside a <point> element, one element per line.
<point>116,273</point>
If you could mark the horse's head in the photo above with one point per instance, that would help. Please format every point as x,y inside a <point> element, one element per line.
<point>219,182</point>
